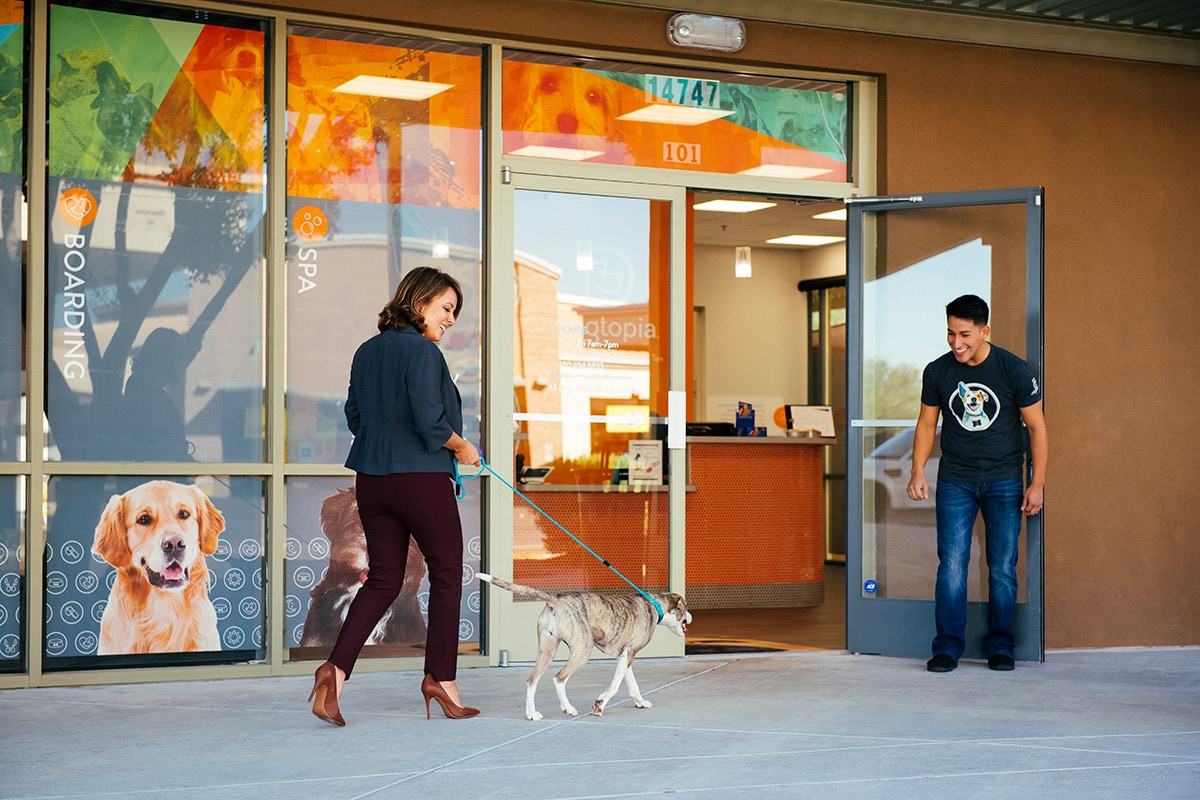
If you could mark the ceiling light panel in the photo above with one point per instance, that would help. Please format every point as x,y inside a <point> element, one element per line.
<point>732,206</point>
<point>805,240</point>
<point>395,88</point>
<point>667,114</point>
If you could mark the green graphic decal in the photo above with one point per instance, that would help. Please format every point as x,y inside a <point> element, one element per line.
<point>108,74</point>
<point>11,99</point>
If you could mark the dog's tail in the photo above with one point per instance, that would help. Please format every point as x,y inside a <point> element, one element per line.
<point>515,588</point>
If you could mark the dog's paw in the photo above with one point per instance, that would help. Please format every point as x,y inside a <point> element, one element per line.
<point>532,716</point>
<point>597,709</point>
<point>642,702</point>
<point>570,711</point>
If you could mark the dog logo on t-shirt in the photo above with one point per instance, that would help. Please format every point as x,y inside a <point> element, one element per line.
<point>974,406</point>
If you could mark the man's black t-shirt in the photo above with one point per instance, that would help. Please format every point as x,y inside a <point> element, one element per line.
<point>982,434</point>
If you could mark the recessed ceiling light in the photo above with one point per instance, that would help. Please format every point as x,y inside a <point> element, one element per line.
<point>670,114</point>
<point>732,206</point>
<point>805,240</point>
<point>563,153</point>
<point>839,213</point>
<point>395,88</point>
<point>781,171</point>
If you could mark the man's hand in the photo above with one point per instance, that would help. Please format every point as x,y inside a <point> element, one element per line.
<point>918,489</point>
<point>1032,503</point>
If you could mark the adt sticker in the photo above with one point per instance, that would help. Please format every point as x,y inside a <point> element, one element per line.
<point>870,586</point>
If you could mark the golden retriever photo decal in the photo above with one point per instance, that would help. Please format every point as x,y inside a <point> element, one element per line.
<point>156,536</point>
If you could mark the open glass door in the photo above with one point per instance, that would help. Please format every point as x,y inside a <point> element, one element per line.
<point>907,258</point>
<point>594,360</point>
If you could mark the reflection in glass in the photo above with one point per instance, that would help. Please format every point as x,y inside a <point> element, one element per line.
<point>924,259</point>
<point>327,563</point>
<point>590,386</point>
<point>155,252</point>
<point>12,283</point>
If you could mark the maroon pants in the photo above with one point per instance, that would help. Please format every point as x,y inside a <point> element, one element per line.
<point>392,508</point>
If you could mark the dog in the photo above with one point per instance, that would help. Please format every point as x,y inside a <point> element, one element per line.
<point>402,623</point>
<point>973,400</point>
<point>617,625</point>
<point>156,535</point>
<point>122,115</point>
<point>560,101</point>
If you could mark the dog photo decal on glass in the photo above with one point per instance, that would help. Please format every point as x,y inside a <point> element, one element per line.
<point>153,566</point>
<point>327,564</point>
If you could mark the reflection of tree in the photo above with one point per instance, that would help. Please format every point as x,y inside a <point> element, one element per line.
<point>895,390</point>
<point>211,241</point>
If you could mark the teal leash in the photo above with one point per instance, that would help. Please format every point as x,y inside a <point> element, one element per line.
<point>461,489</point>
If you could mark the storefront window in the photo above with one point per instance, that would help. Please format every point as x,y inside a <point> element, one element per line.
<point>12,307</point>
<point>12,294</point>
<point>155,306</point>
<point>327,562</point>
<point>590,387</point>
<point>142,571</point>
<point>384,148</point>
<point>610,112</point>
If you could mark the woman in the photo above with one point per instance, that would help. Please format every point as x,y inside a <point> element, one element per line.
<point>406,416</point>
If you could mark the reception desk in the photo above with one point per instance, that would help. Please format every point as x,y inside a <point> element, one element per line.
<point>755,528</point>
<point>755,522</point>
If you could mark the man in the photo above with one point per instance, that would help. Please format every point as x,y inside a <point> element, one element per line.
<point>983,394</point>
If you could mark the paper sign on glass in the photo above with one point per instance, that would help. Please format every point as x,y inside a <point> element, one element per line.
<point>646,461</point>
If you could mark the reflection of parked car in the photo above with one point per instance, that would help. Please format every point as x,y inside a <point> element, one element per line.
<point>887,468</point>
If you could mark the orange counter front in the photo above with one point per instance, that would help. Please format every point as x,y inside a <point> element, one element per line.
<point>755,534</point>
<point>755,522</point>
<point>628,527</point>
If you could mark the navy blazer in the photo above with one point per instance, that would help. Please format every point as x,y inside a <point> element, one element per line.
<point>402,406</point>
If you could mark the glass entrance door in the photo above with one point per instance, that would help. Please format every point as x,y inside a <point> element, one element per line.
<point>907,258</point>
<point>592,377</point>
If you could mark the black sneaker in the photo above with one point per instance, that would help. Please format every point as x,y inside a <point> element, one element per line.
<point>1000,662</point>
<point>942,663</point>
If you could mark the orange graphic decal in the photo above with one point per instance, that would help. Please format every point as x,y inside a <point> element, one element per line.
<point>78,207</point>
<point>343,145</point>
<point>310,224</point>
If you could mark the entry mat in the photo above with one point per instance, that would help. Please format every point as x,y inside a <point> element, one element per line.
<point>720,645</point>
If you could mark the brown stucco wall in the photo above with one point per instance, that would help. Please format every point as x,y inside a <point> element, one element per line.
<point>1117,146</point>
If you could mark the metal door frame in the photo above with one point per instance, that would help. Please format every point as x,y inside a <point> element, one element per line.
<point>904,627</point>
<point>508,622</point>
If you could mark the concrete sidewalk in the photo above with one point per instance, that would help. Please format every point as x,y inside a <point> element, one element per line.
<point>1094,724</point>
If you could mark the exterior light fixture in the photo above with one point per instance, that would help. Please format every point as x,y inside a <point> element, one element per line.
<point>741,262</point>
<point>722,34</point>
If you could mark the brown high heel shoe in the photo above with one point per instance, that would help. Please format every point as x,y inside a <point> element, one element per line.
<point>325,692</point>
<point>434,691</point>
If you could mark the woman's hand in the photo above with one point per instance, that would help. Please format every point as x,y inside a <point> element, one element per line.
<point>468,454</point>
<point>464,451</point>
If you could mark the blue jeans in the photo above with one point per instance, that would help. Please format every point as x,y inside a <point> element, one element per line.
<point>958,504</point>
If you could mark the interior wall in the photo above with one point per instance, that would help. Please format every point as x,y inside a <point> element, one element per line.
<point>1114,144</point>
<point>755,334</point>
<point>823,262</point>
